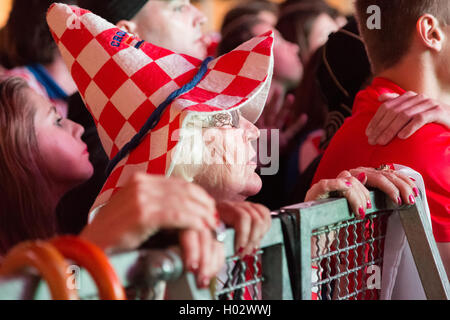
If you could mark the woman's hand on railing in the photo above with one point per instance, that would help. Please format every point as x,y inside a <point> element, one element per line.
<point>400,188</point>
<point>352,185</point>
<point>250,221</point>
<point>345,185</point>
<point>202,255</point>
<point>146,204</point>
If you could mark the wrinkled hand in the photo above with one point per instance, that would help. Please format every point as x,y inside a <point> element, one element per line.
<point>401,116</point>
<point>351,185</point>
<point>148,203</point>
<point>202,255</point>
<point>276,115</point>
<point>251,222</point>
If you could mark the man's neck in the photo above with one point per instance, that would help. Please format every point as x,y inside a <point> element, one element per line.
<point>418,76</point>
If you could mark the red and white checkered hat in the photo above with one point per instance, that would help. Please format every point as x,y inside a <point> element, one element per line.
<point>123,80</point>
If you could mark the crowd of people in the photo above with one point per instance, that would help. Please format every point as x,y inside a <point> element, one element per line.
<point>337,99</point>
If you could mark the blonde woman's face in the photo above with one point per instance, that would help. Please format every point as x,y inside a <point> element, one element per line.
<point>59,140</point>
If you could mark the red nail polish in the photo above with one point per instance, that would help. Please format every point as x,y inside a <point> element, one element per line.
<point>414,180</point>
<point>205,282</point>
<point>193,268</point>
<point>416,191</point>
<point>362,212</point>
<point>240,250</point>
<point>411,199</point>
<point>399,201</point>
<point>369,204</point>
<point>349,184</point>
<point>361,177</point>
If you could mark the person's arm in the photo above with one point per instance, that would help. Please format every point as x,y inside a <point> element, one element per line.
<point>148,203</point>
<point>401,116</point>
<point>276,117</point>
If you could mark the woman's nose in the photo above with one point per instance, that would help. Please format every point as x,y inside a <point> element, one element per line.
<point>251,131</point>
<point>295,47</point>
<point>77,130</point>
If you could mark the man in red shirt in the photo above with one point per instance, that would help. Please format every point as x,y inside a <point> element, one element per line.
<point>409,51</point>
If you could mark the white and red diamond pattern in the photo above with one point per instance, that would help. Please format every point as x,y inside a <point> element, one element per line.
<point>121,86</point>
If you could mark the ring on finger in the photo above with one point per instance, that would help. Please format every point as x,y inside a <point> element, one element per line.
<point>385,167</point>
<point>219,235</point>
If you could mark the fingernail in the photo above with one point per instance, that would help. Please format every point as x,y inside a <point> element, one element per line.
<point>399,201</point>
<point>416,191</point>
<point>369,204</point>
<point>240,250</point>
<point>413,179</point>
<point>362,212</point>
<point>201,282</point>
<point>361,177</point>
<point>193,267</point>
<point>349,184</point>
<point>205,282</point>
<point>411,199</point>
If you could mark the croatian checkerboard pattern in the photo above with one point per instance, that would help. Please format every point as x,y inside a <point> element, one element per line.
<point>122,85</point>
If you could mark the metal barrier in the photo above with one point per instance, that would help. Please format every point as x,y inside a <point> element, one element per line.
<point>335,256</point>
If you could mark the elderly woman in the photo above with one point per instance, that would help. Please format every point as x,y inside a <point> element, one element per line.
<point>158,112</point>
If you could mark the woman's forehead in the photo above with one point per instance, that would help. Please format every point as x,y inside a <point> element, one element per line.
<point>174,1</point>
<point>41,104</point>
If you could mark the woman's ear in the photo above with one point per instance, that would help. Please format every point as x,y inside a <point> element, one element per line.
<point>128,26</point>
<point>430,32</point>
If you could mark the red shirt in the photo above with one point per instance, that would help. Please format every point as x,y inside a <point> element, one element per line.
<point>427,151</point>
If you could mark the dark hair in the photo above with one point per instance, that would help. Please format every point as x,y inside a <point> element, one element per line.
<point>308,97</point>
<point>297,18</point>
<point>343,70</point>
<point>24,188</point>
<point>26,38</point>
<point>238,22</point>
<point>114,10</point>
<point>387,45</point>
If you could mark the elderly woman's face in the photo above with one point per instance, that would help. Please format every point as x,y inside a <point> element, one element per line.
<point>228,172</point>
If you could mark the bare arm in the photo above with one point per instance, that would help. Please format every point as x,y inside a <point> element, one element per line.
<point>148,203</point>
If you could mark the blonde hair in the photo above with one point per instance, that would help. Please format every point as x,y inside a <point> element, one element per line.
<point>193,151</point>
